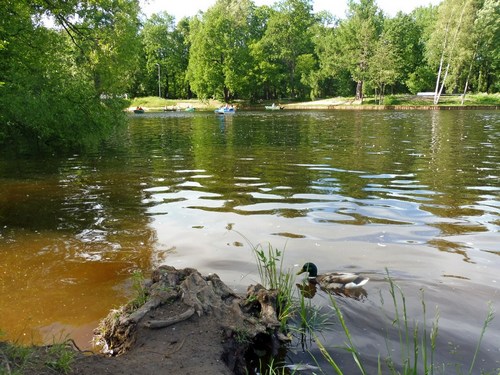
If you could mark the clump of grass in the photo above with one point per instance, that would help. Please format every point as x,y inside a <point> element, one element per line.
<point>349,346</point>
<point>311,319</point>
<point>391,100</point>
<point>483,98</point>
<point>487,321</point>
<point>60,357</point>
<point>14,358</point>
<point>19,359</point>
<point>242,336</point>
<point>152,101</point>
<point>274,276</point>
<point>412,342</point>
<point>141,293</point>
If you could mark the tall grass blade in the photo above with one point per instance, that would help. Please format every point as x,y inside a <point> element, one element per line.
<point>487,321</point>
<point>328,357</point>
<point>350,345</point>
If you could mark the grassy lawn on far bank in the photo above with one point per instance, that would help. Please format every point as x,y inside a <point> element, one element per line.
<point>445,100</point>
<point>154,103</point>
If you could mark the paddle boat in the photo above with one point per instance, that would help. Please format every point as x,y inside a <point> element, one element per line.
<point>225,110</point>
<point>139,110</point>
<point>274,107</point>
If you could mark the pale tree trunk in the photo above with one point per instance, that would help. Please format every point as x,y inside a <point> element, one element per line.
<point>438,79</point>
<point>468,76</point>
<point>436,97</point>
<point>437,94</point>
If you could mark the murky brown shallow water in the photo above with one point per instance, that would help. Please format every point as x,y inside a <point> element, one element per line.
<point>415,192</point>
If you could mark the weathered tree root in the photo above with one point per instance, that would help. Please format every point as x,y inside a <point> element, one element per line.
<point>155,324</point>
<point>254,315</point>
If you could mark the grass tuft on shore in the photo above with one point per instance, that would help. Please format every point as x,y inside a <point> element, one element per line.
<point>19,359</point>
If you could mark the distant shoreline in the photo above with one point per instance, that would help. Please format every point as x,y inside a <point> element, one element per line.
<point>155,104</point>
<point>396,107</point>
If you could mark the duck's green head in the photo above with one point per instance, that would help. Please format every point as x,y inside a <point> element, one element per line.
<point>310,268</point>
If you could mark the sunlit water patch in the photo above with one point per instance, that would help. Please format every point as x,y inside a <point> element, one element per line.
<point>414,192</point>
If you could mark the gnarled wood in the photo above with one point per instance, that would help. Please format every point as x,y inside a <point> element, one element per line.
<point>154,324</point>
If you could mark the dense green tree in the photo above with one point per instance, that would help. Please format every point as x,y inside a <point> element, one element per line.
<point>384,65</point>
<point>487,51</point>
<point>422,77</point>
<point>264,74</point>
<point>61,83</point>
<point>220,55</point>
<point>332,77</point>
<point>288,39</point>
<point>166,52</point>
<point>357,37</point>
<point>157,45</point>
<point>421,80</point>
<point>405,36</point>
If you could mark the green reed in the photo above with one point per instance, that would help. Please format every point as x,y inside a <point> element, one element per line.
<point>417,342</point>
<point>275,276</point>
<point>141,293</point>
<point>412,341</point>
<point>310,318</point>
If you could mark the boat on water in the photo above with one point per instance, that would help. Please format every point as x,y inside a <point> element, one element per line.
<point>189,109</point>
<point>274,107</point>
<point>225,110</point>
<point>139,110</point>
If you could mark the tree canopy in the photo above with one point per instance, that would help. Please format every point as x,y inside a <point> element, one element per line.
<point>237,50</point>
<point>62,83</point>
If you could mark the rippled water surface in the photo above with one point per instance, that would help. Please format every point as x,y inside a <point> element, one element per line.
<point>415,192</point>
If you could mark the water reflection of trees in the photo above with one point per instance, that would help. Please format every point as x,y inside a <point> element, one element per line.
<point>434,159</point>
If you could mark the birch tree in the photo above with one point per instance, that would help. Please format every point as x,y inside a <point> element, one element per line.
<point>452,42</point>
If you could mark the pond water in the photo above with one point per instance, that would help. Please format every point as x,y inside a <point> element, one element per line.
<point>415,192</point>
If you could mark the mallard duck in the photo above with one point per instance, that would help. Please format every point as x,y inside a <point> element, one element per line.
<point>333,280</point>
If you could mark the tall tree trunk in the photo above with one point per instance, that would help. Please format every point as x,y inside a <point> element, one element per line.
<point>438,79</point>
<point>359,91</point>
<point>450,55</point>
<point>468,77</point>
<point>438,95</point>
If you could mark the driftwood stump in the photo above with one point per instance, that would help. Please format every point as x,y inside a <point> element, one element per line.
<point>254,316</point>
